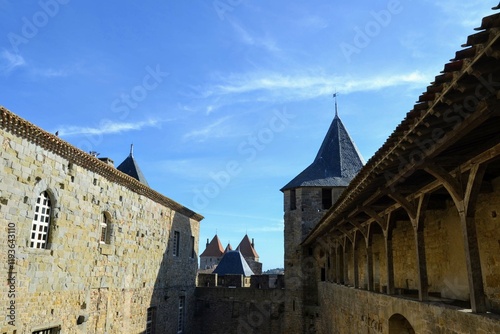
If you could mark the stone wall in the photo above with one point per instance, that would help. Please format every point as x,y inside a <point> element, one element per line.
<point>349,310</point>
<point>108,286</point>
<point>300,285</point>
<point>239,311</point>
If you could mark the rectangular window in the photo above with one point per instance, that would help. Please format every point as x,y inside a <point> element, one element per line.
<point>176,243</point>
<point>104,238</point>
<point>180,323</point>
<point>53,330</point>
<point>151,321</point>
<point>326,196</point>
<point>293,200</point>
<point>193,253</point>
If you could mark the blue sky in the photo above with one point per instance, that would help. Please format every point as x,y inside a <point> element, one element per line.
<point>225,101</point>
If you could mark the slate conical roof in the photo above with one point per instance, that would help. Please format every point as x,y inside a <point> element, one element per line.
<point>214,248</point>
<point>246,248</point>
<point>233,263</point>
<point>129,166</point>
<point>336,163</point>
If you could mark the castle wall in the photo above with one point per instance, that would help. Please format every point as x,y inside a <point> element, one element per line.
<point>348,310</point>
<point>239,311</point>
<point>108,286</point>
<point>298,271</point>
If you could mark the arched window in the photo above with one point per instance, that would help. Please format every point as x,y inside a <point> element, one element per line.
<point>105,229</point>
<point>41,222</point>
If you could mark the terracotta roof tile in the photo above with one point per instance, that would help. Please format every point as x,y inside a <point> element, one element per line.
<point>214,248</point>
<point>16,125</point>
<point>246,248</point>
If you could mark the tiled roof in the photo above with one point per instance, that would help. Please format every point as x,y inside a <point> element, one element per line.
<point>129,166</point>
<point>441,112</point>
<point>336,163</point>
<point>233,263</point>
<point>19,127</point>
<point>228,248</point>
<point>214,248</point>
<point>246,248</point>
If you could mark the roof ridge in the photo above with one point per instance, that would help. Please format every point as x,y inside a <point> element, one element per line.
<point>22,128</point>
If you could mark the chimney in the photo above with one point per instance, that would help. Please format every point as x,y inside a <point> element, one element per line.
<point>207,242</point>
<point>253,245</point>
<point>108,161</point>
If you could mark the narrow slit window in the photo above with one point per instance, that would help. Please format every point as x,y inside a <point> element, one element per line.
<point>104,237</point>
<point>293,200</point>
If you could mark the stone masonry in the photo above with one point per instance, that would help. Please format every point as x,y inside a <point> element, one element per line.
<point>77,284</point>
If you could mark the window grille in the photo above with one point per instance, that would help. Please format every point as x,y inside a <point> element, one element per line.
<point>151,320</point>
<point>176,243</point>
<point>41,222</point>
<point>180,323</point>
<point>53,330</point>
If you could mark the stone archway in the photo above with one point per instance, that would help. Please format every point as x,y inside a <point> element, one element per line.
<point>398,324</point>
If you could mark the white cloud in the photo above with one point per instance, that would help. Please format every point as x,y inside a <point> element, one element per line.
<point>51,73</point>
<point>9,61</point>
<point>307,86</point>
<point>313,22</point>
<point>215,129</point>
<point>245,37</point>
<point>466,13</point>
<point>106,127</point>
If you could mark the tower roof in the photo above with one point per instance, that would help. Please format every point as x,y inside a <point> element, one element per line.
<point>129,166</point>
<point>336,163</point>
<point>233,263</point>
<point>228,248</point>
<point>246,248</point>
<point>214,248</point>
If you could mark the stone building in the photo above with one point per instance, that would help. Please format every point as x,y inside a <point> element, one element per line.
<point>412,244</point>
<point>212,254</point>
<point>233,270</point>
<point>86,248</point>
<point>248,251</point>
<point>307,197</point>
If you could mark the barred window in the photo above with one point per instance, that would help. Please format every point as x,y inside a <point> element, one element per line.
<point>176,243</point>
<point>41,222</point>
<point>180,323</point>
<point>53,330</point>
<point>151,320</point>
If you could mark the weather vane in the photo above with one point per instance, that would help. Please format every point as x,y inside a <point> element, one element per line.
<point>335,97</point>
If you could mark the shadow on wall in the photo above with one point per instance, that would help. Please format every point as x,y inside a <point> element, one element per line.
<point>172,300</point>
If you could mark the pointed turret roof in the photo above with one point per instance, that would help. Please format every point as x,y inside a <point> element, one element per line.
<point>246,248</point>
<point>233,263</point>
<point>214,248</point>
<point>129,166</point>
<point>336,163</point>
<point>228,248</point>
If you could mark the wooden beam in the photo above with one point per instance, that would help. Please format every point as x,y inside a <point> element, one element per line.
<point>447,180</point>
<point>410,209</point>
